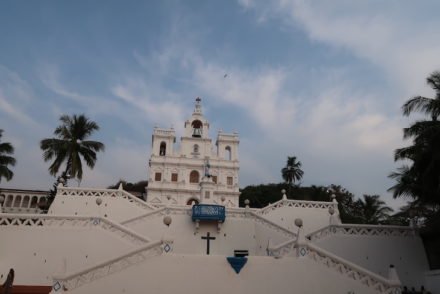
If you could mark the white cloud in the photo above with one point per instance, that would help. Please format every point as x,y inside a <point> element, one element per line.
<point>158,109</point>
<point>260,93</point>
<point>389,35</point>
<point>126,159</point>
<point>15,97</point>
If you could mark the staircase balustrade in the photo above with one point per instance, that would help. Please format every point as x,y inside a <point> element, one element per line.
<point>39,220</point>
<point>361,230</point>
<point>337,264</point>
<point>103,269</point>
<point>297,204</point>
<point>70,191</point>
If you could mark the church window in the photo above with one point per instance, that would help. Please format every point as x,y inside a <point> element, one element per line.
<point>228,153</point>
<point>214,179</point>
<point>194,177</point>
<point>229,181</point>
<point>158,177</point>
<point>174,177</point>
<point>196,148</point>
<point>163,149</point>
<point>197,128</point>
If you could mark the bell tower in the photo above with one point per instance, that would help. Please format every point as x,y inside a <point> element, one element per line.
<point>195,172</point>
<point>197,126</point>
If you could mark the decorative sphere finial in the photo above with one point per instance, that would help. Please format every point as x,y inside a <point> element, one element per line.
<point>167,220</point>
<point>246,202</point>
<point>283,191</point>
<point>331,210</point>
<point>298,222</point>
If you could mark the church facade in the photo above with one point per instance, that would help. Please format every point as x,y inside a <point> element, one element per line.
<point>197,172</point>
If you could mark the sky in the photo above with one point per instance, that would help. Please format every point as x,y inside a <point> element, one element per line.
<point>320,80</point>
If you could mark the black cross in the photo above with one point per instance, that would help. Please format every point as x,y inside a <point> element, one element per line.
<point>208,238</point>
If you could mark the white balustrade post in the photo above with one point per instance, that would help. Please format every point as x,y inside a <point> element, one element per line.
<point>393,276</point>
<point>302,249</point>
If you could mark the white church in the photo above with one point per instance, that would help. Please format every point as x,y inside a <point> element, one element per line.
<point>190,236</point>
<point>195,173</point>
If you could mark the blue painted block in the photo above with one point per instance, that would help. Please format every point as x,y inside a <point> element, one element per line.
<point>237,263</point>
<point>208,212</point>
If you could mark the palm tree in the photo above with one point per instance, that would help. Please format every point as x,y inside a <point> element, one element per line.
<point>70,145</point>
<point>372,210</point>
<point>429,106</point>
<point>6,149</point>
<point>421,180</point>
<point>292,172</point>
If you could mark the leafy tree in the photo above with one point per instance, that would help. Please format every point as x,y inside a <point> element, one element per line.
<point>372,210</point>
<point>421,179</point>
<point>292,172</point>
<point>71,144</point>
<point>6,149</point>
<point>132,187</point>
<point>351,211</point>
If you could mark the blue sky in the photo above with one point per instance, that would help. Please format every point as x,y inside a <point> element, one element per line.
<point>321,80</point>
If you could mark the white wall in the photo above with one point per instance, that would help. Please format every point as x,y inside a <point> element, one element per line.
<point>376,253</point>
<point>313,218</point>
<point>199,274</point>
<point>115,208</point>
<point>36,253</point>
<point>235,234</point>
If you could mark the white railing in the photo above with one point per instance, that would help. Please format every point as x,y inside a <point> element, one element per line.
<point>74,280</point>
<point>282,249</point>
<point>158,131</point>
<point>378,283</point>
<point>361,230</point>
<point>21,201</point>
<point>44,220</point>
<point>297,204</point>
<point>142,217</point>
<point>71,191</point>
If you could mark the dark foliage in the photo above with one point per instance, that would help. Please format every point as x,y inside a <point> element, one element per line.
<point>138,187</point>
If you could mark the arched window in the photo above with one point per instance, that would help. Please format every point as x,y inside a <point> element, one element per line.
<point>196,148</point>
<point>197,128</point>
<point>228,153</point>
<point>34,201</point>
<point>17,201</point>
<point>163,149</point>
<point>194,177</point>
<point>42,200</point>
<point>9,201</point>
<point>25,203</point>
<point>192,201</point>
